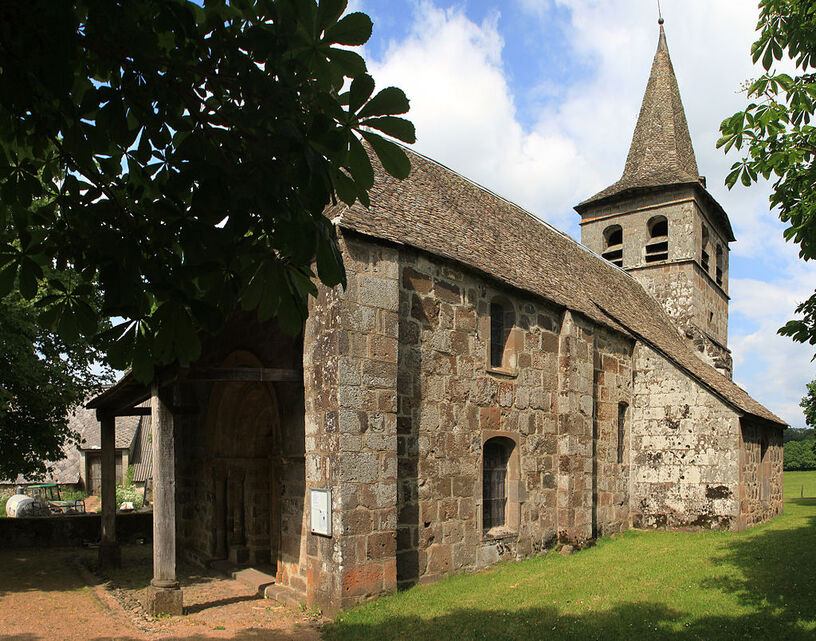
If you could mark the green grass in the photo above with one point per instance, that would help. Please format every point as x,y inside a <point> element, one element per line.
<point>800,483</point>
<point>758,584</point>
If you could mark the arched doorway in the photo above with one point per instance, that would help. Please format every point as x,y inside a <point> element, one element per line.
<point>243,443</point>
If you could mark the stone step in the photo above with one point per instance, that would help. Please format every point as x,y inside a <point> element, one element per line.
<point>255,579</point>
<point>284,595</point>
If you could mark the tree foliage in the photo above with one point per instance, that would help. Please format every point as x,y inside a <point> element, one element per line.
<point>800,455</point>
<point>42,378</point>
<point>808,404</point>
<point>179,158</point>
<point>776,132</point>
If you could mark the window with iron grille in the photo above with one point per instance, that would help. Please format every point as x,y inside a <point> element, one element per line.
<point>494,478</point>
<point>497,335</point>
<point>621,429</point>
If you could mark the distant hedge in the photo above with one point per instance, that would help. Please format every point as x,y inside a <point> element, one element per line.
<point>800,455</point>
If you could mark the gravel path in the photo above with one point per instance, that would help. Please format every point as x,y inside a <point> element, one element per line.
<point>47,595</point>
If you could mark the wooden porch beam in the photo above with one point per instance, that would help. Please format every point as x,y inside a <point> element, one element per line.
<point>244,374</point>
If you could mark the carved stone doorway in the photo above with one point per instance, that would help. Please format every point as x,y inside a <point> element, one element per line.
<point>243,427</point>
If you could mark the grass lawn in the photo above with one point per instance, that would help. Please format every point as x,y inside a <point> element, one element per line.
<point>759,584</point>
<point>798,483</point>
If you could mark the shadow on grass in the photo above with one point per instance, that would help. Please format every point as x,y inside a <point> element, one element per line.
<point>778,569</point>
<point>628,621</point>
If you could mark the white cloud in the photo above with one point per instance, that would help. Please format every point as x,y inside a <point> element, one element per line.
<point>465,115</point>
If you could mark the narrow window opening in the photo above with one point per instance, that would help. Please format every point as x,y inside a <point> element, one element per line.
<point>496,457</point>
<point>613,245</point>
<point>657,248</point>
<point>498,337</point>
<point>764,489</point>
<point>621,430</point>
<point>704,258</point>
<point>719,265</point>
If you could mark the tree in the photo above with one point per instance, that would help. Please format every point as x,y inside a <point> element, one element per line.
<point>42,379</point>
<point>179,159</point>
<point>776,132</point>
<point>808,404</point>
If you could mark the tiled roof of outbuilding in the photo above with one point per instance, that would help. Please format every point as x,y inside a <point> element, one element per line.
<point>438,211</point>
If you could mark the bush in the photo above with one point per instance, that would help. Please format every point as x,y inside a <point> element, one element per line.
<point>128,493</point>
<point>4,497</point>
<point>73,495</point>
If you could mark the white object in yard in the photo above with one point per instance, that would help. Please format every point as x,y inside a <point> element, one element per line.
<point>127,506</point>
<point>19,505</point>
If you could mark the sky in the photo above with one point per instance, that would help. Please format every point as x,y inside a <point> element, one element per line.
<point>537,100</point>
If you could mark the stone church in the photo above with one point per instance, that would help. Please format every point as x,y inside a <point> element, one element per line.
<point>484,389</point>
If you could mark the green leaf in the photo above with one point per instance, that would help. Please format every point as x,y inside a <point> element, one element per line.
<point>389,101</point>
<point>350,63</point>
<point>353,29</point>
<point>28,279</point>
<point>393,126</point>
<point>360,164</point>
<point>393,158</point>
<point>329,12</point>
<point>344,186</point>
<point>8,276</point>
<point>361,89</point>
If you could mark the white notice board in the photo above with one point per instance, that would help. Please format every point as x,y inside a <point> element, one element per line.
<point>320,516</point>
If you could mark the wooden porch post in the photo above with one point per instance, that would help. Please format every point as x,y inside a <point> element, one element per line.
<point>164,594</point>
<point>109,553</point>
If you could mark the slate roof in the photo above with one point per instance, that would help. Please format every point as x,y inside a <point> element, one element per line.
<point>84,422</point>
<point>661,153</point>
<point>142,460</point>
<point>441,212</point>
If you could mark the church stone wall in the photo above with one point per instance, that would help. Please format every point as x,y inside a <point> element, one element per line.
<point>350,376</point>
<point>685,455</point>
<point>451,403</point>
<point>760,488</point>
<point>613,401</point>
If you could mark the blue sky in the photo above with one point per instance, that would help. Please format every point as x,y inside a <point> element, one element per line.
<point>537,100</point>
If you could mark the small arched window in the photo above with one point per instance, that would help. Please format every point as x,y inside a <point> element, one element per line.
<point>502,321</point>
<point>719,264</point>
<point>495,482</point>
<point>613,245</point>
<point>621,430</point>
<point>704,256</point>
<point>657,247</point>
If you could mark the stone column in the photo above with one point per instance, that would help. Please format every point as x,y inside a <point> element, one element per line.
<point>575,430</point>
<point>164,595</point>
<point>109,553</point>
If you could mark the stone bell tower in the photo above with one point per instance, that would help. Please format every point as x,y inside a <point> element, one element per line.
<point>660,224</point>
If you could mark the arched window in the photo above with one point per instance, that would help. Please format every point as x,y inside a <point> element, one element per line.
<point>613,245</point>
<point>495,482</point>
<point>704,257</point>
<point>657,247</point>
<point>719,264</point>
<point>502,321</point>
<point>621,430</point>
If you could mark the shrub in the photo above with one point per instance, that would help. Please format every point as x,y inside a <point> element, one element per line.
<point>128,493</point>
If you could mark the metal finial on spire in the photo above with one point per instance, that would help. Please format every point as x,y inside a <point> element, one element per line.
<point>660,20</point>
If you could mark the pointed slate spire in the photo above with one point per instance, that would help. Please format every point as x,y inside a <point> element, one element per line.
<point>661,151</point>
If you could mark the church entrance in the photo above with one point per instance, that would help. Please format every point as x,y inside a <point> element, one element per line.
<point>243,443</point>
